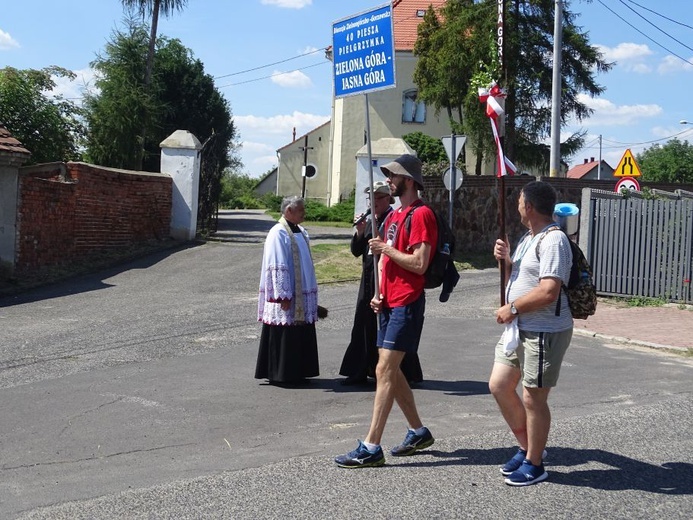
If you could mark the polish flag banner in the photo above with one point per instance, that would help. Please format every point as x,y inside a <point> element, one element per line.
<point>492,96</point>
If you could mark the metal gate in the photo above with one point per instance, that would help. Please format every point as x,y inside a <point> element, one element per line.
<point>640,246</point>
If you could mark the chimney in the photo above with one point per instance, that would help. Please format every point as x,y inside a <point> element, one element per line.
<point>294,134</point>
<point>585,162</point>
<point>591,159</point>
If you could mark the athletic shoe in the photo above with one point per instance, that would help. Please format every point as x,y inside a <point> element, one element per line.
<point>361,458</point>
<point>527,475</point>
<point>515,463</point>
<point>413,442</point>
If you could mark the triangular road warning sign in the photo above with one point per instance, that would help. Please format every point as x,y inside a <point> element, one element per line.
<point>627,167</point>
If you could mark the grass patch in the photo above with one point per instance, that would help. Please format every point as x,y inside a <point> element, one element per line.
<point>335,263</point>
<point>475,261</point>
<point>641,301</point>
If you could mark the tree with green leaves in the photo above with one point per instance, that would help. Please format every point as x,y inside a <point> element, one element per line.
<point>115,108</point>
<point>181,96</point>
<point>671,162</point>
<point>457,55</point>
<point>152,8</point>
<point>428,149</point>
<point>50,127</point>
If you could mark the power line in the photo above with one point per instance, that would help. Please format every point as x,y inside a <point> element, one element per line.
<point>645,35</point>
<point>659,14</point>
<point>270,64</point>
<point>618,144</point>
<point>283,61</point>
<point>653,25</point>
<point>272,75</point>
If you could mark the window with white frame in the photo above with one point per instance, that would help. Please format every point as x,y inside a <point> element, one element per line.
<point>413,111</point>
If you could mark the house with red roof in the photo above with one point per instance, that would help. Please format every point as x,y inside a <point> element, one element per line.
<point>590,170</point>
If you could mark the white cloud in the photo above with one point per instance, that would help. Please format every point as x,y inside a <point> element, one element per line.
<point>293,79</point>
<point>673,64</point>
<point>630,56</point>
<point>74,89</point>
<point>641,68</point>
<point>263,136</point>
<point>608,114</point>
<point>290,4</point>
<point>7,42</point>
<point>257,148</point>
<point>279,124</point>
<point>625,51</point>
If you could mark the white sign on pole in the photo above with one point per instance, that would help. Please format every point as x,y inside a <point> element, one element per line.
<point>459,144</point>
<point>448,181</point>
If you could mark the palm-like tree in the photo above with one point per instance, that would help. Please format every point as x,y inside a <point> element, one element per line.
<point>153,8</point>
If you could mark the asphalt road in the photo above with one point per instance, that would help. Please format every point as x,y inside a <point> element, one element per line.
<point>130,394</point>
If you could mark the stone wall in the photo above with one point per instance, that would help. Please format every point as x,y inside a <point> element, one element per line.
<point>67,212</point>
<point>476,205</point>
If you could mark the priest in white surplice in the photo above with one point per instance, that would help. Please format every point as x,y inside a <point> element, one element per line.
<point>288,301</point>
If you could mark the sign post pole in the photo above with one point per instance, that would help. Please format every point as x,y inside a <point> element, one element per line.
<point>363,55</point>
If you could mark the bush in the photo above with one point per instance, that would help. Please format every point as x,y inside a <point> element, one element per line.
<point>237,191</point>
<point>316,211</point>
<point>342,212</point>
<point>244,202</point>
<point>272,202</point>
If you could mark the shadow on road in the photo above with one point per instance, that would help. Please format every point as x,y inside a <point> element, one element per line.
<point>82,283</point>
<point>618,474</point>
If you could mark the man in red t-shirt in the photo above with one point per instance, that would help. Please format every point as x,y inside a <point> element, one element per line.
<point>405,252</point>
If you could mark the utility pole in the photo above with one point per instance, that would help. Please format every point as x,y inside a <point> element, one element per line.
<point>599,166</point>
<point>305,149</point>
<point>554,166</point>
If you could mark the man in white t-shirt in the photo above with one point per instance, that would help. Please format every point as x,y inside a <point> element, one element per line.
<point>536,272</point>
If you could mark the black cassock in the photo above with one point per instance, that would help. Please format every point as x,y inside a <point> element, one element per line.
<point>361,355</point>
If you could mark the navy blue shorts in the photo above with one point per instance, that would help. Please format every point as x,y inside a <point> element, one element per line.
<point>400,328</point>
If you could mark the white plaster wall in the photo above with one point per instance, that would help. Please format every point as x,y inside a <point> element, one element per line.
<point>289,174</point>
<point>180,160</point>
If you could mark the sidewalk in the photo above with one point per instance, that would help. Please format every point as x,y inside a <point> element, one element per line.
<point>661,327</point>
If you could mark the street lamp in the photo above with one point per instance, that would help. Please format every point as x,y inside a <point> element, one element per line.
<point>684,122</point>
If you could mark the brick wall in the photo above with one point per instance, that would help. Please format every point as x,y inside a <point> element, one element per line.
<point>68,212</point>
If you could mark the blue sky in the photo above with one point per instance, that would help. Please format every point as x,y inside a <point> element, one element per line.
<point>648,90</point>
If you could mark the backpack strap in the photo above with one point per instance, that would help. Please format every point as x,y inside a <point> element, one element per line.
<point>536,251</point>
<point>410,212</point>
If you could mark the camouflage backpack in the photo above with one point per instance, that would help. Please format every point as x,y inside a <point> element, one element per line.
<point>581,292</point>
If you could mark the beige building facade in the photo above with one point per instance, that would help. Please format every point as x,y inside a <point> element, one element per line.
<point>393,113</point>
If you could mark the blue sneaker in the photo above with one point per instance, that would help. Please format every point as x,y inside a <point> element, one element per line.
<point>361,458</point>
<point>515,463</point>
<point>413,442</point>
<point>527,475</point>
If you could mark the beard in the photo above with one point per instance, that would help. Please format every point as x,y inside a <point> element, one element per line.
<point>397,187</point>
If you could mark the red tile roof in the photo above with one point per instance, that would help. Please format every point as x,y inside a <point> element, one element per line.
<point>406,19</point>
<point>579,171</point>
<point>9,143</point>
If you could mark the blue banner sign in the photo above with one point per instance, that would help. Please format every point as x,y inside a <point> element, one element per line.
<point>363,52</point>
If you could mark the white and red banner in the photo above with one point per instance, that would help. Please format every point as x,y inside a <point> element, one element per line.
<point>493,97</point>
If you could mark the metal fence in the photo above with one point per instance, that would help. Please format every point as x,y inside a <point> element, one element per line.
<point>637,246</point>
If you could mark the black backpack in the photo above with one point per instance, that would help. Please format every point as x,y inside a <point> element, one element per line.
<point>441,268</point>
<point>581,291</point>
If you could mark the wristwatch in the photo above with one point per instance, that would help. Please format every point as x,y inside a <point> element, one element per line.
<point>513,309</point>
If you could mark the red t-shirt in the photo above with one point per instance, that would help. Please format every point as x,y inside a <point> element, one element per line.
<point>399,286</point>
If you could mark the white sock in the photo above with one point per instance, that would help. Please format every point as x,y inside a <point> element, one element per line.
<point>371,447</point>
<point>420,431</point>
